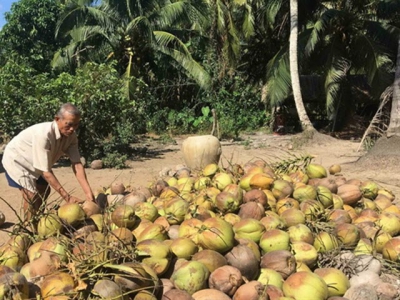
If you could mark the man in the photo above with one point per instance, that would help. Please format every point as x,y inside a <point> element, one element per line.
<point>29,157</point>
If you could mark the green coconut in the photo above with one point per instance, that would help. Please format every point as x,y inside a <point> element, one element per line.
<point>316,171</point>
<point>49,225</point>
<point>192,276</point>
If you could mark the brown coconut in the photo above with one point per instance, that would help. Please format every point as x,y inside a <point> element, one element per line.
<point>350,193</point>
<point>282,261</point>
<point>340,180</point>
<point>158,187</point>
<point>282,189</point>
<point>176,294</point>
<point>348,234</point>
<point>91,208</point>
<point>210,258</point>
<point>145,191</point>
<point>339,216</point>
<point>354,181</point>
<point>46,264</point>
<point>329,183</point>
<point>167,285</point>
<point>97,164</point>
<point>257,196</point>
<point>133,198</point>
<point>210,294</point>
<point>226,279</point>
<point>117,188</point>
<point>56,284</point>
<point>243,258</point>
<point>251,210</point>
<point>253,290</point>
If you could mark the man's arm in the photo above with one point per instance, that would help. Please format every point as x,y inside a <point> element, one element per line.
<point>55,184</point>
<point>80,174</point>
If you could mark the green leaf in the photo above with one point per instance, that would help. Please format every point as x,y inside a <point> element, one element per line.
<point>205,111</point>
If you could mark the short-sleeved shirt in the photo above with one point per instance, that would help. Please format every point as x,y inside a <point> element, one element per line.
<point>35,150</point>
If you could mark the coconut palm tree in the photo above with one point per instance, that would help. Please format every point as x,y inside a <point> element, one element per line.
<point>232,22</point>
<point>137,34</point>
<point>392,8</point>
<point>294,70</point>
<point>394,124</point>
<point>275,18</point>
<point>341,42</point>
<point>351,40</point>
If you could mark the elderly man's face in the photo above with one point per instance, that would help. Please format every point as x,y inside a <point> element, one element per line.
<point>67,124</point>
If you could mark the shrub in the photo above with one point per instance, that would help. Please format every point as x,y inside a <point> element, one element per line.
<point>112,114</point>
<point>238,106</point>
<point>26,98</point>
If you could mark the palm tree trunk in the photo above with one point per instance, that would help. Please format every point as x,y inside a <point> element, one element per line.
<point>294,69</point>
<point>394,124</point>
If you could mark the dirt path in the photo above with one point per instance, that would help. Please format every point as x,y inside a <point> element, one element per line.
<point>144,170</point>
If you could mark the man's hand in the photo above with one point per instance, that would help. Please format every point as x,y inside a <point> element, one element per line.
<point>80,174</point>
<point>73,199</point>
<point>90,197</point>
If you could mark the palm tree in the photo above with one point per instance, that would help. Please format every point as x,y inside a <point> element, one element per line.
<point>392,9</point>
<point>137,34</point>
<point>394,124</point>
<point>347,39</point>
<point>342,42</point>
<point>232,22</point>
<point>294,70</point>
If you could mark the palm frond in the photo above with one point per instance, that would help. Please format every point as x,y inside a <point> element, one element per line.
<point>220,12</point>
<point>129,9</point>
<point>380,122</point>
<point>231,46</point>
<point>180,12</point>
<point>248,22</point>
<point>173,47</point>
<point>335,75</point>
<point>169,13</point>
<point>278,78</point>
<point>142,23</point>
<point>389,9</point>
<point>199,16</point>
<point>74,14</point>
<point>271,10</point>
<point>104,51</point>
<point>279,84</point>
<point>105,17</point>
<point>64,57</point>
<point>385,33</point>
<point>81,41</point>
<point>193,68</point>
<point>166,39</point>
<point>84,33</point>
<point>374,62</point>
<point>319,31</point>
<point>240,2</point>
<point>78,14</point>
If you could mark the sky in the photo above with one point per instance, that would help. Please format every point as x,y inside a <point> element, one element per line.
<point>5,6</point>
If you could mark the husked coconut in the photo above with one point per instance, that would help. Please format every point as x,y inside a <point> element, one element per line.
<point>2,218</point>
<point>97,164</point>
<point>117,188</point>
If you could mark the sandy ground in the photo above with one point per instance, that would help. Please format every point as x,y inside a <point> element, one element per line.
<point>145,169</point>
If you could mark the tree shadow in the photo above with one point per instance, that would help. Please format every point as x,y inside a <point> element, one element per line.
<point>151,154</point>
<point>1,165</point>
<point>139,155</point>
<point>6,225</point>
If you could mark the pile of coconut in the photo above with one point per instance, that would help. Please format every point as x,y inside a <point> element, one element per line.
<point>289,230</point>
